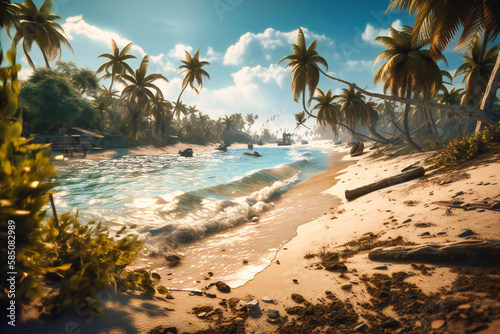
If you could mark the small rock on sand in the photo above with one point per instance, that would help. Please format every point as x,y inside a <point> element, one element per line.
<point>466,233</point>
<point>346,286</point>
<point>222,287</point>
<point>255,219</point>
<point>273,314</point>
<point>381,268</point>
<point>201,315</point>
<point>495,205</point>
<point>267,300</point>
<point>437,324</point>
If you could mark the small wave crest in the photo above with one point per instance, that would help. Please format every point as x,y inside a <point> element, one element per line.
<point>192,215</point>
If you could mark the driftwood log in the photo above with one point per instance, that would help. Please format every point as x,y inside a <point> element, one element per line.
<point>469,252</point>
<point>390,181</point>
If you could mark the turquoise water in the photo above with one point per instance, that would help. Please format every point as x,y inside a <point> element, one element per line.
<point>176,200</point>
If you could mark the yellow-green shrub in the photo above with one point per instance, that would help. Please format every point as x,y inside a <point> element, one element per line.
<point>464,149</point>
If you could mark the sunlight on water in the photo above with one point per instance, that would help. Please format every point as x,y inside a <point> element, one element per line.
<point>176,200</point>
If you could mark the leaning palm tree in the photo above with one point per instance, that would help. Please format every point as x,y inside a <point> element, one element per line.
<point>438,20</point>
<point>117,63</point>
<point>477,70</point>
<point>140,89</point>
<point>39,27</point>
<point>408,70</point>
<point>193,71</point>
<point>304,63</point>
<point>328,110</point>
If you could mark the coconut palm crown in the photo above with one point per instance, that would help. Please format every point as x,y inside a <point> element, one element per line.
<point>304,63</point>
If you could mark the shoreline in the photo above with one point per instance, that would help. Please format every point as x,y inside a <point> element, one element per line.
<point>381,213</point>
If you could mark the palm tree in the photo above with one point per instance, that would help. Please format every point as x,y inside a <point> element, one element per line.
<point>117,63</point>
<point>140,88</point>
<point>304,63</point>
<point>477,70</point>
<point>408,70</point>
<point>160,109</point>
<point>328,110</point>
<point>193,71</point>
<point>179,108</point>
<point>305,70</point>
<point>228,128</point>
<point>438,20</point>
<point>38,26</point>
<point>301,119</point>
<point>454,96</point>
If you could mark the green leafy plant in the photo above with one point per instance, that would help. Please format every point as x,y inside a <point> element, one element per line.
<point>86,259</point>
<point>464,149</point>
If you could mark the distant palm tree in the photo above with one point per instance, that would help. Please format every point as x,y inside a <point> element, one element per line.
<point>353,108</point>
<point>454,97</point>
<point>193,71</point>
<point>228,128</point>
<point>408,70</point>
<point>160,108</point>
<point>304,63</point>
<point>179,108</point>
<point>328,110</point>
<point>477,70</point>
<point>38,26</point>
<point>301,119</point>
<point>140,88</point>
<point>117,63</point>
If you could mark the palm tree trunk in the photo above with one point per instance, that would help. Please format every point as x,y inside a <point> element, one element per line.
<point>358,135</point>
<point>405,119</point>
<point>177,103</point>
<point>433,126</point>
<point>488,117</point>
<point>46,60</point>
<point>490,93</point>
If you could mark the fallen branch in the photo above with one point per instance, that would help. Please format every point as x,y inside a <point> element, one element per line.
<point>390,181</point>
<point>470,252</point>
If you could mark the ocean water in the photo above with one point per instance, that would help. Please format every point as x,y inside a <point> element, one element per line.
<point>196,207</point>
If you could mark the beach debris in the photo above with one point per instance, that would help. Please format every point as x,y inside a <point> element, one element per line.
<point>471,252</point>
<point>169,296</point>
<point>223,287</point>
<point>390,181</point>
<point>495,206</point>
<point>232,302</point>
<point>155,276</point>
<point>295,281</point>
<point>406,221</point>
<point>267,300</point>
<point>253,154</point>
<point>412,166</point>
<point>466,233</point>
<point>210,273</point>
<point>255,219</point>
<point>163,330</point>
<point>210,295</point>
<point>245,261</point>
<point>357,149</point>
<point>425,234</point>
<point>273,314</point>
<point>196,293</point>
<point>298,298</point>
<point>361,328</point>
<point>381,268</point>
<point>347,286</point>
<point>253,308</point>
<point>457,194</point>
<point>173,260</point>
<point>188,152</point>
<point>437,324</point>
<point>201,315</point>
<point>239,320</point>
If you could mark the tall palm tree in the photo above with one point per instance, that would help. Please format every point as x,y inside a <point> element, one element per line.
<point>117,64</point>
<point>179,108</point>
<point>477,70</point>
<point>193,71</point>
<point>408,70</point>
<point>304,63</point>
<point>140,88</point>
<point>160,109</point>
<point>353,108</point>
<point>38,26</point>
<point>437,21</point>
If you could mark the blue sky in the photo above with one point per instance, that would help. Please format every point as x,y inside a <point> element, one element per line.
<point>243,40</point>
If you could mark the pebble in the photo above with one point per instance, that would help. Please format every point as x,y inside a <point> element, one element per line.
<point>458,203</point>
<point>210,295</point>
<point>480,183</point>
<point>466,233</point>
<point>233,301</point>
<point>201,315</point>
<point>406,221</point>
<point>437,324</point>
<point>418,323</point>
<point>239,320</point>
<point>465,205</point>
<point>245,261</point>
<point>458,194</point>
<point>381,268</point>
<point>273,314</point>
<point>253,304</point>
<point>425,234</point>
<point>169,296</point>
<point>267,300</point>
<point>361,328</point>
<point>222,287</point>
<point>464,307</point>
<point>363,277</point>
<point>441,233</point>
<point>255,219</point>
<point>346,286</point>
<point>495,205</point>
<point>295,281</point>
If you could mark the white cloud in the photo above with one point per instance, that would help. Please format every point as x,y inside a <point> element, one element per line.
<point>251,45</point>
<point>178,52</point>
<point>76,25</point>
<point>358,65</point>
<point>371,32</point>
<point>212,55</point>
<point>25,73</point>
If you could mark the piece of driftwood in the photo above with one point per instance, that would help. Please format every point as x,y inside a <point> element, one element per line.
<point>470,252</point>
<point>387,182</point>
<point>479,206</point>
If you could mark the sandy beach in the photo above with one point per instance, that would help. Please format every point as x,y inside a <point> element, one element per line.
<point>297,284</point>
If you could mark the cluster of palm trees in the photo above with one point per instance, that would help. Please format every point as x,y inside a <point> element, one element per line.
<point>412,74</point>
